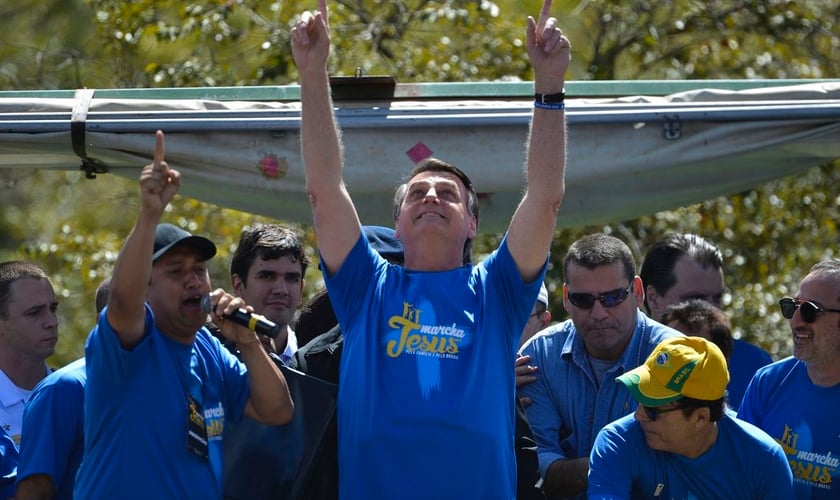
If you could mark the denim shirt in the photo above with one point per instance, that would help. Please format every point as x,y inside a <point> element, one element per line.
<point>569,406</point>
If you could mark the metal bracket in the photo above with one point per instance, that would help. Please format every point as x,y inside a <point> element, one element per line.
<point>91,166</point>
<point>362,87</point>
<point>672,128</point>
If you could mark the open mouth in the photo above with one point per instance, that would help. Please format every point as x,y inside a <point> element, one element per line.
<point>193,301</point>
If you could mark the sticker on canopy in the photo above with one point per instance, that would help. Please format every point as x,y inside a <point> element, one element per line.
<point>273,167</point>
<point>419,152</point>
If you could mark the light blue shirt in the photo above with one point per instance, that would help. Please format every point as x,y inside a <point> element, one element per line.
<point>569,406</point>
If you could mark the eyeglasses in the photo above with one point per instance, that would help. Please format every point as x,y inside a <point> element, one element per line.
<point>607,299</point>
<point>653,412</point>
<point>807,310</point>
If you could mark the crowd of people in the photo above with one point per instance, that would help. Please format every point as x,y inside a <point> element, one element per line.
<point>414,371</point>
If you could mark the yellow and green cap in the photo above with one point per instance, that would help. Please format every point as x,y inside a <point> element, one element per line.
<point>679,367</point>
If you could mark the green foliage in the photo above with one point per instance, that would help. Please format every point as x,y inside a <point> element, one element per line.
<point>74,227</point>
<point>639,39</point>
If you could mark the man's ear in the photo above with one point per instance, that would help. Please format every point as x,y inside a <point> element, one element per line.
<point>237,284</point>
<point>638,290</point>
<point>546,318</point>
<point>473,227</point>
<point>654,302</point>
<point>702,415</point>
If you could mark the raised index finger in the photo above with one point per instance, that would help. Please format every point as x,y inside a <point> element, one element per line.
<point>322,6</point>
<point>545,13</point>
<point>158,147</point>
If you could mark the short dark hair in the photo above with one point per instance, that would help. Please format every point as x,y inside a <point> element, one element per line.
<point>659,262</point>
<point>267,241</point>
<point>436,165</point>
<point>716,407</point>
<point>697,314</point>
<point>599,249</point>
<point>11,271</point>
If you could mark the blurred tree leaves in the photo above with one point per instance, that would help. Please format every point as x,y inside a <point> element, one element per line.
<point>74,227</point>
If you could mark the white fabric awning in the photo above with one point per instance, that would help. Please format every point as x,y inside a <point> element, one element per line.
<point>627,156</point>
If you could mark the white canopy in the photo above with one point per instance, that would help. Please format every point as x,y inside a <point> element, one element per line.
<point>627,156</point>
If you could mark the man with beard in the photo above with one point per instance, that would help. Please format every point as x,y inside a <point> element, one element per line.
<point>797,399</point>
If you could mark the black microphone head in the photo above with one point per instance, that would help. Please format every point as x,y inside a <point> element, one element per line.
<point>206,304</point>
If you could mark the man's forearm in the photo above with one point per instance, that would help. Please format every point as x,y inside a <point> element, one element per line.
<point>36,487</point>
<point>320,136</point>
<point>270,399</point>
<point>566,478</point>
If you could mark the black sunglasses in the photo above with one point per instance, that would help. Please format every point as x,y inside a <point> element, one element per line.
<point>653,412</point>
<point>607,299</point>
<point>807,310</point>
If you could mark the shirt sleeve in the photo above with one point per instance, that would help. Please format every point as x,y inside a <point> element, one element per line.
<point>775,475</point>
<point>609,466</point>
<point>546,422</point>
<point>52,428</point>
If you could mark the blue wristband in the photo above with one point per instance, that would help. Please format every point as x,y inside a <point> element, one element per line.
<point>551,105</point>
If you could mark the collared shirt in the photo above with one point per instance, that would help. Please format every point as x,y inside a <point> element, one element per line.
<point>12,400</point>
<point>569,406</point>
<point>291,347</point>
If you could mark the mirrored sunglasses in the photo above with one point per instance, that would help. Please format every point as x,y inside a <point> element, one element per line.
<point>807,310</point>
<point>607,299</point>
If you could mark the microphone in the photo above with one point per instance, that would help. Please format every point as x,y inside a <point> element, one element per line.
<point>255,322</point>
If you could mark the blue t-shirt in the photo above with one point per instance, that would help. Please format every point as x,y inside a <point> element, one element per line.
<point>744,463</point>
<point>426,401</point>
<point>54,417</point>
<point>136,414</point>
<point>744,361</point>
<point>804,419</point>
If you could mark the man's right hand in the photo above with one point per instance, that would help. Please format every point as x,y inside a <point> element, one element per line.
<point>311,39</point>
<point>524,375</point>
<point>158,182</point>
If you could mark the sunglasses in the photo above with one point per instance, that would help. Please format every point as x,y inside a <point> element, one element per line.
<point>607,299</point>
<point>653,412</point>
<point>807,310</point>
